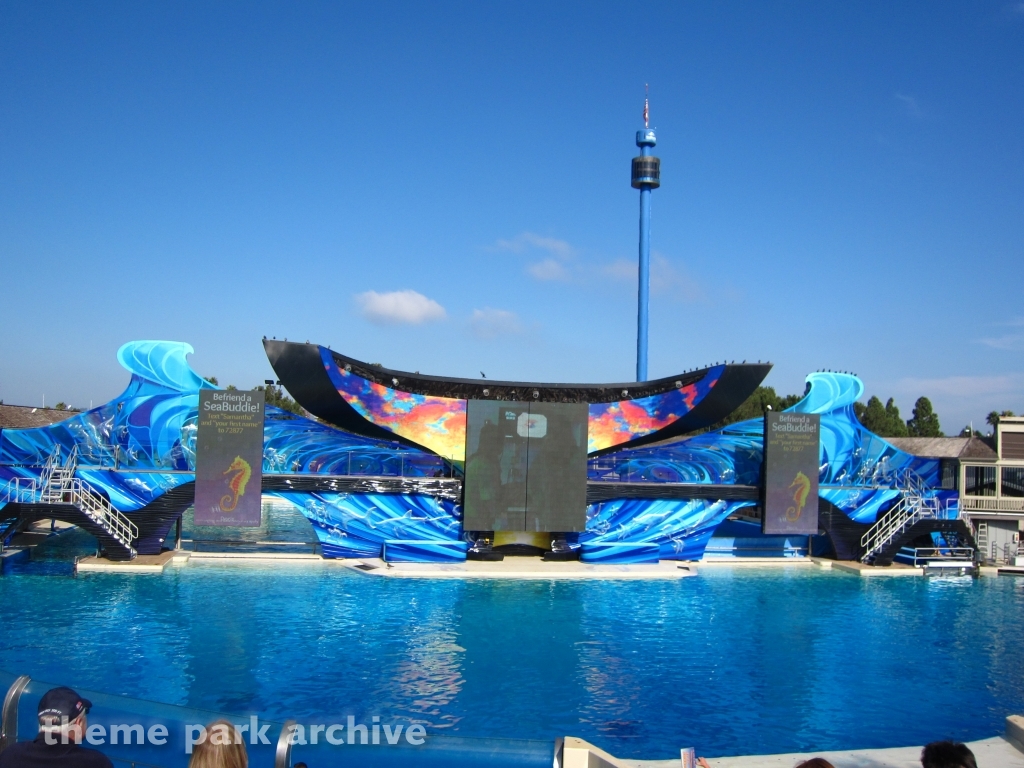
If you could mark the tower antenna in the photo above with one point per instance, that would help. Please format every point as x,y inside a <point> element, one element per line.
<point>645,177</point>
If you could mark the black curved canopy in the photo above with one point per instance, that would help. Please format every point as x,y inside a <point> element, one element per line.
<point>301,371</point>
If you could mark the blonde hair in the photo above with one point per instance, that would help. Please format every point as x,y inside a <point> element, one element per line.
<point>221,746</point>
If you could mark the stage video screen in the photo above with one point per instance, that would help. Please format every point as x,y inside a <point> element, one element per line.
<point>526,466</point>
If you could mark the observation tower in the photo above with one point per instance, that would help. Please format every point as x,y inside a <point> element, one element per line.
<point>645,177</point>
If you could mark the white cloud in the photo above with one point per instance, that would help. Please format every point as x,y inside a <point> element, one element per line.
<point>549,269</point>
<point>1012,342</point>
<point>910,105</point>
<point>560,249</point>
<point>666,278</point>
<point>395,307</point>
<point>962,400</point>
<point>964,386</point>
<point>621,269</point>
<point>559,262</point>
<point>488,323</point>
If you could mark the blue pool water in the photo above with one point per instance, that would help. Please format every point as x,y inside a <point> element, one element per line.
<point>733,661</point>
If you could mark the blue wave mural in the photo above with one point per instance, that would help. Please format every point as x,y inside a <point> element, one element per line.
<point>141,444</point>
<point>858,468</point>
<point>358,524</point>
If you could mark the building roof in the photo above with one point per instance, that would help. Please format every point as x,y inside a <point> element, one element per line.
<point>945,447</point>
<point>27,417</point>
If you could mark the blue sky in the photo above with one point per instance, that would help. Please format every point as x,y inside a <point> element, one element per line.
<point>445,188</point>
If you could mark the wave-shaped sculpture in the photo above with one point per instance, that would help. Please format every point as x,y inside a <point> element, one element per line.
<point>857,468</point>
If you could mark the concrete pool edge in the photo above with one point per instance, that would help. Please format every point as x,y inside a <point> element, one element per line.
<point>1006,751</point>
<point>521,569</point>
<point>514,568</point>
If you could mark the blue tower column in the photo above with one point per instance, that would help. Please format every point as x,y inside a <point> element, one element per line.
<point>645,177</point>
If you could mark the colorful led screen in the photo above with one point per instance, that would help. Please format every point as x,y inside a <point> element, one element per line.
<point>437,423</point>
<point>625,420</point>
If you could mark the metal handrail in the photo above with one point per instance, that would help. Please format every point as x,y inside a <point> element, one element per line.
<point>895,521</point>
<point>9,713</point>
<point>283,752</point>
<point>1000,504</point>
<point>936,556</point>
<point>57,484</point>
<point>101,510</point>
<point>912,506</point>
<point>239,543</point>
<point>943,552</point>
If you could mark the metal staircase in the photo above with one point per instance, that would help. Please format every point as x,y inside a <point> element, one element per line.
<point>58,485</point>
<point>913,506</point>
<point>981,536</point>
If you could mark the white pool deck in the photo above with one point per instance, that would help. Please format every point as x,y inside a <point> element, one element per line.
<point>523,568</point>
<point>509,568</point>
<point>1006,751</point>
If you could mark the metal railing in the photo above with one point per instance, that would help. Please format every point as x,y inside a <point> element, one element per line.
<point>924,556</point>
<point>912,506</point>
<point>359,464</point>
<point>992,504</point>
<point>634,470</point>
<point>216,544</point>
<point>103,513</point>
<point>57,484</point>
<point>356,463</point>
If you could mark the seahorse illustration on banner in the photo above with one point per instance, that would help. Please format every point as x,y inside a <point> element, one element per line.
<point>803,488</point>
<point>236,483</point>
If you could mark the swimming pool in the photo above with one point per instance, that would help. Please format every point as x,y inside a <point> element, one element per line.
<point>736,661</point>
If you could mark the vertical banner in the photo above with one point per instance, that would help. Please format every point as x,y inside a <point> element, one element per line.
<point>229,458</point>
<point>791,457</point>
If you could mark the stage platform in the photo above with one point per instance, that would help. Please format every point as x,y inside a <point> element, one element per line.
<point>141,564</point>
<point>862,569</point>
<point>522,568</point>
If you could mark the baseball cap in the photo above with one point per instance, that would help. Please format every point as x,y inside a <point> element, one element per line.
<point>58,703</point>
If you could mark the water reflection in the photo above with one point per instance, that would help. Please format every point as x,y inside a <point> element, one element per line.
<point>732,660</point>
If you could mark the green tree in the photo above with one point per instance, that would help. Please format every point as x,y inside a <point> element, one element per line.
<point>213,380</point>
<point>924,422</point>
<point>873,416</point>
<point>883,420</point>
<point>858,410</point>
<point>994,417</point>
<point>275,396</point>
<point>895,425</point>
<point>754,407</point>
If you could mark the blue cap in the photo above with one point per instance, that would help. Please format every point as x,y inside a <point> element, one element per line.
<point>645,138</point>
<point>58,703</point>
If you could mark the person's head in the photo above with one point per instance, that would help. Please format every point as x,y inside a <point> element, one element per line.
<point>62,715</point>
<point>221,746</point>
<point>947,754</point>
<point>816,762</point>
<point>490,437</point>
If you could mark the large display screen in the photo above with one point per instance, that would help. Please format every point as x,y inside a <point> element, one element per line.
<point>791,456</point>
<point>526,466</point>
